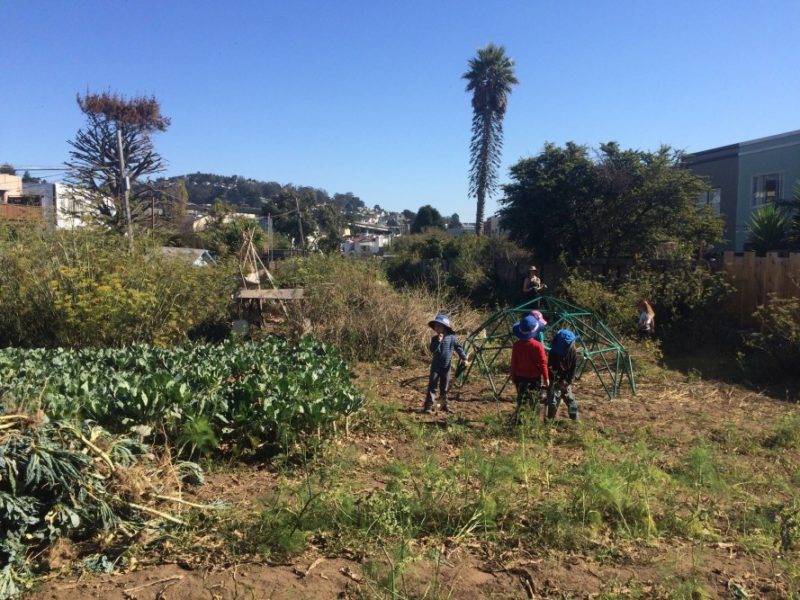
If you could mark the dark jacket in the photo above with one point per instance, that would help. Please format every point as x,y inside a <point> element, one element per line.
<point>443,351</point>
<point>563,366</point>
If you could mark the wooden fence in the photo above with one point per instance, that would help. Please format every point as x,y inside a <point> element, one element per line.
<point>20,212</point>
<point>756,277</point>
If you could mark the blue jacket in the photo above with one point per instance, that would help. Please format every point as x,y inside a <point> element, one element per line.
<point>443,351</point>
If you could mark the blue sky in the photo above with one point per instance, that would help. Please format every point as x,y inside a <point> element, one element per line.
<point>366,96</point>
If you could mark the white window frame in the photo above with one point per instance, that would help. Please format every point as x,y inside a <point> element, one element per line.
<point>758,196</point>
<point>712,198</point>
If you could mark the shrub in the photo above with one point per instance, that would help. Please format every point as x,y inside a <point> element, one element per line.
<point>775,346</point>
<point>83,288</point>
<point>351,304</point>
<point>470,266</point>
<point>691,302</point>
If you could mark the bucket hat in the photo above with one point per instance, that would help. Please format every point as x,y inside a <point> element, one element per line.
<point>524,328</point>
<point>442,320</point>
<point>538,316</point>
<point>563,339</point>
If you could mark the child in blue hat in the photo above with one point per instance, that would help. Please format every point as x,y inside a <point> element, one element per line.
<point>528,363</point>
<point>443,344</point>
<point>563,361</point>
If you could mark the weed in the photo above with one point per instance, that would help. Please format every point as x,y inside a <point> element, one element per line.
<point>700,470</point>
<point>785,434</point>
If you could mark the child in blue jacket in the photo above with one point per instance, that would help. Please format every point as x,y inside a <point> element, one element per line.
<point>443,344</point>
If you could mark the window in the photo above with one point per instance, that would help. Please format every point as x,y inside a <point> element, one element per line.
<point>26,200</point>
<point>767,188</point>
<point>712,198</point>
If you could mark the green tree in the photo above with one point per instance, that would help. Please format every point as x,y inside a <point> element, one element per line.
<point>489,78</point>
<point>7,169</point>
<point>94,163</point>
<point>282,208</point>
<point>427,217</point>
<point>769,229</point>
<point>176,200</point>
<point>622,203</point>
<point>331,223</point>
<point>455,220</point>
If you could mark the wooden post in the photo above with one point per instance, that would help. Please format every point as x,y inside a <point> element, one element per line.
<point>124,184</point>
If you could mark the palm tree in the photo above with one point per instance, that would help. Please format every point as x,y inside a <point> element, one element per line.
<point>769,229</point>
<point>490,77</point>
<point>794,233</point>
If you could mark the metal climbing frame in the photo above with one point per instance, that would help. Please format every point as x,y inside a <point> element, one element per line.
<point>599,349</point>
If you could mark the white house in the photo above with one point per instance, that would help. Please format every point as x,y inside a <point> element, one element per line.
<point>365,245</point>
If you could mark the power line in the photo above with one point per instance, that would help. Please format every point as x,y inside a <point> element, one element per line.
<point>61,168</point>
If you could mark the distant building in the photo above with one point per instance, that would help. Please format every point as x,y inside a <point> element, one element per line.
<point>744,177</point>
<point>491,226</point>
<point>197,257</point>
<point>461,229</point>
<point>51,203</point>
<point>365,245</point>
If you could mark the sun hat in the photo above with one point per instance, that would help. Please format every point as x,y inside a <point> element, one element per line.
<point>538,316</point>
<point>562,341</point>
<point>442,320</point>
<point>524,328</point>
<point>532,268</point>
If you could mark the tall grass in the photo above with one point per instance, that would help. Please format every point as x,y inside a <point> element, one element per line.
<point>351,304</point>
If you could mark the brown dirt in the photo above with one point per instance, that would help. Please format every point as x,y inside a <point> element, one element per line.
<point>671,410</point>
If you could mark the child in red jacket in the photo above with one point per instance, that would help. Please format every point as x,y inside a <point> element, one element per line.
<point>528,364</point>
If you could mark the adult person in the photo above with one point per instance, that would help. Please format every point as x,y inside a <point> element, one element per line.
<point>532,282</point>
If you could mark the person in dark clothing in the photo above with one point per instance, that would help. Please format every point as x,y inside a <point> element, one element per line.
<point>533,282</point>
<point>528,364</point>
<point>563,362</point>
<point>443,344</point>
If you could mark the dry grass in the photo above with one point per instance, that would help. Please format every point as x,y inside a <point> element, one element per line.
<point>350,304</point>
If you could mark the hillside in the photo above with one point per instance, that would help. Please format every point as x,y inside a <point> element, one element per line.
<point>204,188</point>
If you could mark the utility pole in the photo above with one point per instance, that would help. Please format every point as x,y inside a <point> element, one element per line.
<point>300,225</point>
<point>269,237</point>
<point>125,185</point>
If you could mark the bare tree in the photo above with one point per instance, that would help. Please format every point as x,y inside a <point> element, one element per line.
<point>111,154</point>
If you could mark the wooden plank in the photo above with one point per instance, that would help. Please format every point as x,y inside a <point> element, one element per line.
<point>793,274</point>
<point>748,286</point>
<point>771,276</point>
<point>272,294</point>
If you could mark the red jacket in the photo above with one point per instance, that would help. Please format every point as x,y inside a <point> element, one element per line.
<point>529,360</point>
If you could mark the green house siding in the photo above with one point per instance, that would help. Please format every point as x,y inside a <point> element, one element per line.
<point>719,167</point>
<point>777,155</point>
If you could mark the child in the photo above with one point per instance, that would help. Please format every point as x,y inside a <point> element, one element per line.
<point>563,361</point>
<point>442,346</point>
<point>528,363</point>
<point>647,320</point>
<point>538,333</point>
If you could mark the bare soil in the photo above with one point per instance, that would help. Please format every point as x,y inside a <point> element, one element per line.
<point>668,408</point>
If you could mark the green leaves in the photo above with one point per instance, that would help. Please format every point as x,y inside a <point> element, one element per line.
<point>202,396</point>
